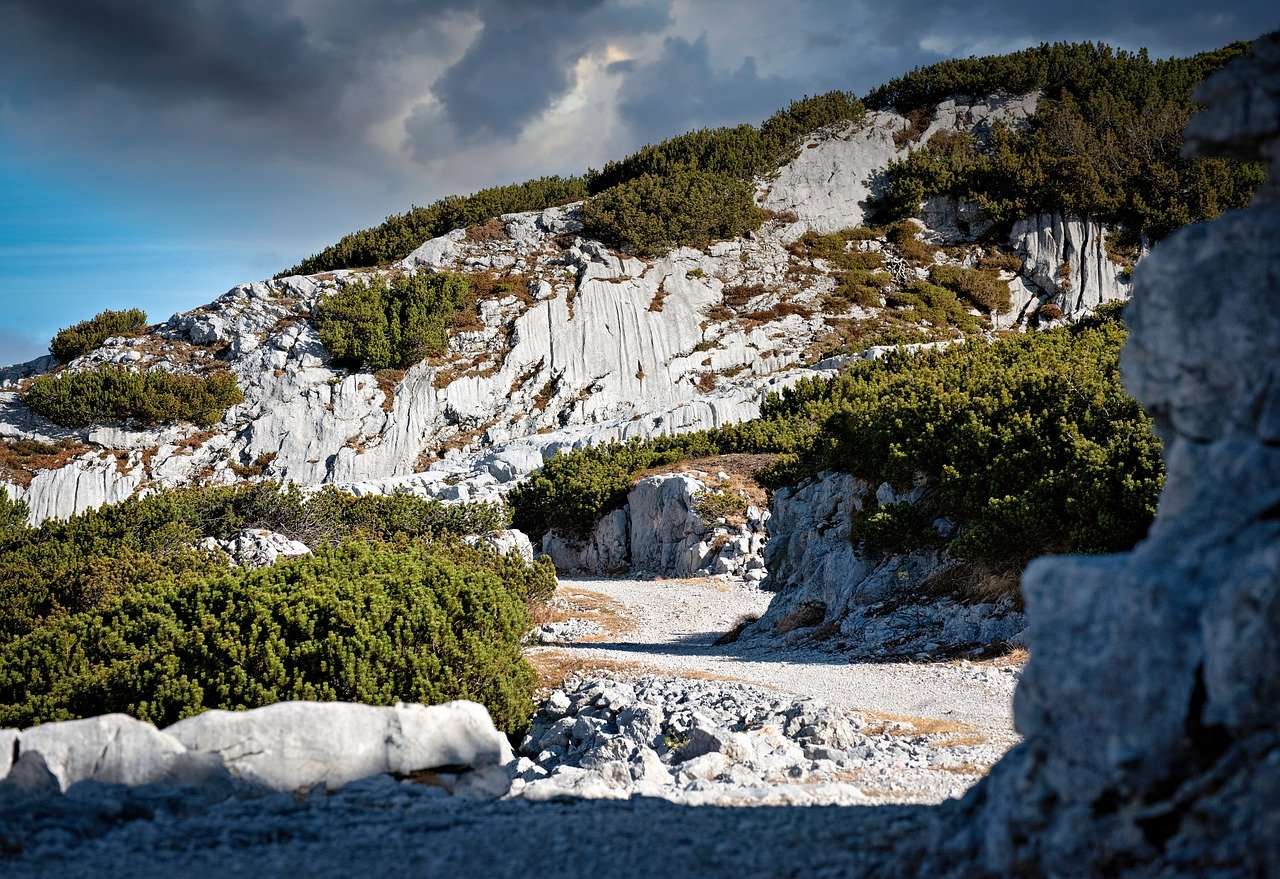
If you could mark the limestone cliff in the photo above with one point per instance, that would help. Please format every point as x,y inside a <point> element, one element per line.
<point>584,345</point>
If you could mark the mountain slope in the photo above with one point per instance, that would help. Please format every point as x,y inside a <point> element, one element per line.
<point>571,341</point>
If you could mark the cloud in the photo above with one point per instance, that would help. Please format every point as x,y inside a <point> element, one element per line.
<point>680,89</point>
<point>524,59</point>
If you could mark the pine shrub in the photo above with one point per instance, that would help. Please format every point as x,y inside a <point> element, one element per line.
<point>380,324</point>
<point>651,215</point>
<point>81,338</point>
<point>363,623</point>
<point>111,393</point>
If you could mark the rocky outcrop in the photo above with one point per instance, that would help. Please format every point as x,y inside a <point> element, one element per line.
<point>1151,704</point>
<point>871,606</point>
<point>256,547</point>
<point>828,183</point>
<point>505,542</point>
<point>288,746</point>
<point>1065,263</point>
<point>660,532</point>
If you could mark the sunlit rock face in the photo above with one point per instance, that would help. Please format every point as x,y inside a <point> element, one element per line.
<point>1151,704</point>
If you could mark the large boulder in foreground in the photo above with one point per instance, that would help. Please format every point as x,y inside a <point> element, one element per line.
<point>293,745</point>
<point>289,746</point>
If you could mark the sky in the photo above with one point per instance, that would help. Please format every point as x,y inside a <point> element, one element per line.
<point>155,154</point>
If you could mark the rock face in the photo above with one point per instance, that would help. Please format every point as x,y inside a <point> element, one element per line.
<point>1064,263</point>
<point>1151,704</point>
<point>829,182</point>
<point>823,583</point>
<point>660,532</point>
<point>288,746</point>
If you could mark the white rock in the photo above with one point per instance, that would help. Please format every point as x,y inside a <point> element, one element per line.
<point>297,745</point>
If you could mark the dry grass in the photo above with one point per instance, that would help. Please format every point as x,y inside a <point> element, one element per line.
<point>809,613</point>
<point>736,631</point>
<point>387,380</point>
<point>885,723</point>
<point>659,296</point>
<point>584,604</point>
<point>490,230</point>
<point>20,460</point>
<point>917,124</point>
<point>555,664</point>
<point>738,295</point>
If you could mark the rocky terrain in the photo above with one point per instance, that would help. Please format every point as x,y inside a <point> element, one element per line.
<point>1141,739</point>
<point>696,339</point>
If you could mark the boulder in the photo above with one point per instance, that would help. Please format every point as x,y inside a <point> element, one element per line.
<point>504,542</point>
<point>116,749</point>
<point>297,745</point>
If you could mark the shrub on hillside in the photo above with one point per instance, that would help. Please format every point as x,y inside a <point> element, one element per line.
<point>743,151</point>
<point>982,287</point>
<point>110,393</point>
<point>376,324</point>
<point>13,514</point>
<point>70,566</point>
<point>1105,140</point>
<point>400,234</point>
<point>652,215</point>
<point>362,623</point>
<point>78,339</point>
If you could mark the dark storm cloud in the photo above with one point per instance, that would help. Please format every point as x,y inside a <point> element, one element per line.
<point>524,58</point>
<point>681,89</point>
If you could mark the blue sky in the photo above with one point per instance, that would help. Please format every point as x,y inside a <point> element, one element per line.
<point>153,155</point>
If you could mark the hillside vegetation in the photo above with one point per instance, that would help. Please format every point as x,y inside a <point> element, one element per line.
<point>720,156</point>
<point>111,393</point>
<point>73,341</point>
<point>1105,140</point>
<point>1027,445</point>
<point>115,610</point>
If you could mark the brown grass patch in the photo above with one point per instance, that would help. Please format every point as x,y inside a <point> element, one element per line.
<point>659,296</point>
<point>574,603</point>
<point>917,124</point>
<point>738,295</point>
<point>387,380</point>
<point>492,229</point>
<point>735,632</point>
<point>21,459</point>
<point>809,613</point>
<point>882,724</point>
<point>257,468</point>
<point>555,664</point>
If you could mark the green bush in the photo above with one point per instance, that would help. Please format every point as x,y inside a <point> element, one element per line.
<point>743,151</point>
<point>81,338</point>
<point>1105,140</point>
<point>1028,444</point>
<point>362,623</point>
<point>13,514</point>
<point>379,325</point>
<point>110,393</point>
<point>401,234</point>
<point>651,215</point>
<point>735,152</point>
<point>982,287</point>
<point>937,306</point>
<point>73,565</point>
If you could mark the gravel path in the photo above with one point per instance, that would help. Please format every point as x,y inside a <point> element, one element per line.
<point>670,626</point>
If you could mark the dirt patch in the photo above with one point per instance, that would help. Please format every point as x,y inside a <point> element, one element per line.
<point>555,664</point>
<point>573,603</point>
